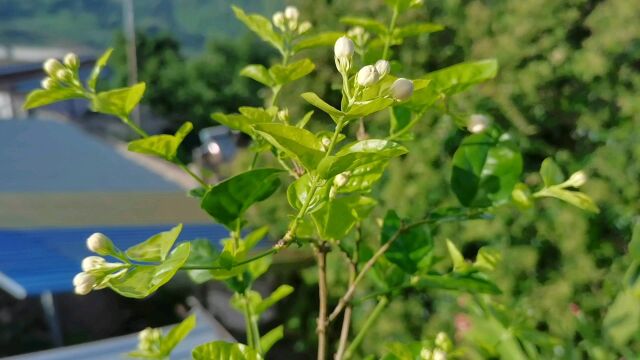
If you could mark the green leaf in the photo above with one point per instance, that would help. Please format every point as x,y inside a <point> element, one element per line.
<point>634,244</point>
<point>551,172</point>
<point>163,146</point>
<point>622,321</point>
<point>258,73</point>
<point>253,238</point>
<point>358,154</point>
<point>366,108</point>
<point>261,26</point>
<point>97,69</point>
<point>317,40</point>
<point>487,259</point>
<point>235,122</point>
<point>227,201</point>
<point>156,247</point>
<point>485,170</point>
<point>298,192</point>
<point>305,119</point>
<point>177,334</point>
<point>203,253</point>
<point>363,177</point>
<point>258,114</point>
<point>143,280</point>
<point>283,74</point>
<point>42,97</point>
<point>411,248</point>
<point>337,218</point>
<point>416,29</point>
<point>220,350</point>
<point>400,119</point>
<point>472,283</point>
<point>269,339</point>
<point>297,143</point>
<point>316,101</point>
<point>459,264</point>
<point>118,102</point>
<point>367,23</point>
<point>575,198</point>
<point>278,294</point>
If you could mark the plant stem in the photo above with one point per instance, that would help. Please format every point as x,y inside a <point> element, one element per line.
<point>371,319</point>
<point>134,126</point>
<point>240,263</point>
<point>346,319</point>
<point>392,26</point>
<point>197,178</point>
<point>321,256</point>
<point>253,333</point>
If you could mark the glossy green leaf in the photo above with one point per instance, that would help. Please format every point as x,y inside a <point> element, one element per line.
<point>163,146</point>
<point>283,74</point>
<point>42,97</point>
<point>278,294</point>
<point>366,108</point>
<point>227,201</point>
<point>316,101</point>
<point>298,192</point>
<point>155,248</point>
<point>485,170</point>
<point>261,26</point>
<point>622,321</point>
<point>97,69</point>
<point>143,280</point>
<point>220,350</point>
<point>416,29</point>
<point>259,73</point>
<point>317,40</point>
<point>363,177</point>
<point>411,248</point>
<point>339,216</point>
<point>297,143</point>
<point>202,253</point>
<point>472,283</point>
<point>177,334</point>
<point>271,338</point>
<point>358,154</point>
<point>575,198</point>
<point>551,172</point>
<point>367,23</point>
<point>118,102</point>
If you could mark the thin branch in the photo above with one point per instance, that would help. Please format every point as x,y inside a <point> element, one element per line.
<point>371,319</point>
<point>321,255</point>
<point>346,319</point>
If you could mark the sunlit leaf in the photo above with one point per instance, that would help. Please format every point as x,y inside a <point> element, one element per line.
<point>317,40</point>
<point>177,334</point>
<point>575,198</point>
<point>269,339</point>
<point>358,154</point>
<point>258,73</point>
<point>118,102</point>
<point>163,146</point>
<point>299,190</point>
<point>297,143</point>
<point>472,283</point>
<point>42,97</point>
<point>316,101</point>
<point>283,74</point>
<point>220,350</point>
<point>261,26</point>
<point>156,247</point>
<point>97,69</point>
<point>551,172</point>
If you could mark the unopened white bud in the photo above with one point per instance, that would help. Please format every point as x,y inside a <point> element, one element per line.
<point>291,13</point>
<point>100,244</point>
<point>64,75</point>
<point>71,61</point>
<point>304,27</point>
<point>441,339</point>
<point>278,20</point>
<point>425,354</point>
<point>439,355</point>
<point>577,179</point>
<point>344,48</point>
<point>383,67</point>
<point>402,89</point>
<point>92,263</point>
<point>325,141</point>
<point>283,115</point>
<point>478,123</point>
<point>341,179</point>
<point>83,283</point>
<point>367,76</point>
<point>48,83</point>
<point>51,66</point>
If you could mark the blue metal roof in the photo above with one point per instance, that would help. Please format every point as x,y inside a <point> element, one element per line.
<point>36,260</point>
<point>49,156</point>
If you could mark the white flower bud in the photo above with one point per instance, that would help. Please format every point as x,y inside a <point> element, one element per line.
<point>425,354</point>
<point>64,75</point>
<point>71,61</point>
<point>304,27</point>
<point>83,283</point>
<point>577,179</point>
<point>278,20</point>
<point>344,48</point>
<point>477,123</point>
<point>48,83</point>
<point>291,13</point>
<point>92,263</point>
<point>439,355</point>
<point>341,179</point>
<point>283,115</point>
<point>100,244</point>
<point>326,141</point>
<point>51,66</point>
<point>441,339</point>
<point>383,67</point>
<point>367,76</point>
<point>402,89</point>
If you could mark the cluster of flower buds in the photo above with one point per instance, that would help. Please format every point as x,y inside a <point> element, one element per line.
<point>343,52</point>
<point>60,74</point>
<point>149,339</point>
<point>442,346</point>
<point>287,21</point>
<point>478,123</point>
<point>95,268</point>
<point>369,75</point>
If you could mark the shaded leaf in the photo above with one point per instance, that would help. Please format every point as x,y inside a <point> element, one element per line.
<point>365,108</point>
<point>416,29</point>
<point>367,23</point>
<point>622,321</point>
<point>278,294</point>
<point>472,283</point>
<point>411,248</point>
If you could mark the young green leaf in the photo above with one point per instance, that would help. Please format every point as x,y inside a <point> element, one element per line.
<point>411,248</point>
<point>141,281</point>
<point>485,170</point>
<point>298,143</point>
<point>162,146</point>
<point>177,334</point>
<point>118,102</point>
<point>227,201</point>
<point>317,40</point>
<point>338,217</point>
<point>363,177</point>
<point>261,26</point>
<point>459,264</point>
<point>283,74</point>
<point>358,154</point>
<point>97,69</point>
<point>551,172</point>
<point>42,97</point>
<point>298,192</point>
<point>156,247</point>
<point>366,108</point>
<point>278,294</point>
<point>259,73</point>
<point>271,338</point>
<point>224,351</point>
<point>575,198</point>
<point>487,259</point>
<point>316,101</point>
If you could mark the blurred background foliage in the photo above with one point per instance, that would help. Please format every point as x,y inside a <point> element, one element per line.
<point>568,87</point>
